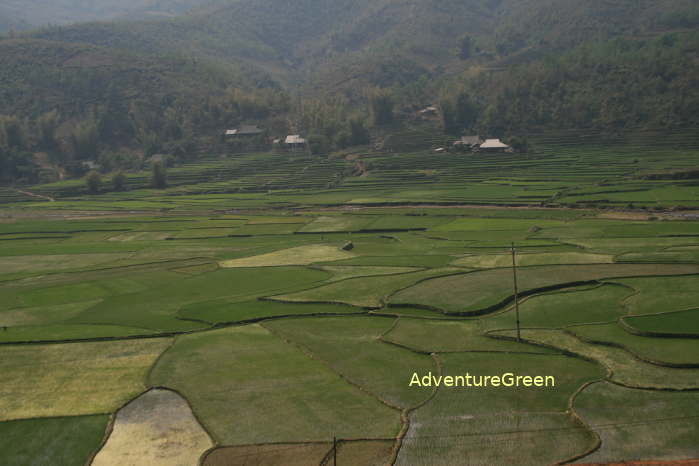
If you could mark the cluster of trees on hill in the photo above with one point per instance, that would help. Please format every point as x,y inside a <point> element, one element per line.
<point>93,92</point>
<point>609,85</point>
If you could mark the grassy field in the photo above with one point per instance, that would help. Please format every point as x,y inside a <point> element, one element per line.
<point>653,425</point>
<point>242,381</point>
<point>580,305</point>
<point>74,379</point>
<point>280,340</point>
<point>58,441</point>
<point>485,440</point>
<point>668,323</point>
<point>223,311</point>
<point>431,336</point>
<point>672,351</point>
<point>481,290</point>
<point>351,347</point>
<point>500,260</point>
<point>302,255</point>
<point>364,292</point>
<point>623,366</point>
<point>663,294</point>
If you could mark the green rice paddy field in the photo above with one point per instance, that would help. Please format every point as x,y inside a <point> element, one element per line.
<point>276,319</point>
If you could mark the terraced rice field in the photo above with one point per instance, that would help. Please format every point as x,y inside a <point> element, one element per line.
<point>221,322</point>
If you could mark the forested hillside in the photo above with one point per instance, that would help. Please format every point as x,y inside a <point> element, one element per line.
<point>334,70</point>
<point>74,103</point>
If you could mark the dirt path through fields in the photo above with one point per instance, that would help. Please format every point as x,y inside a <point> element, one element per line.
<point>38,196</point>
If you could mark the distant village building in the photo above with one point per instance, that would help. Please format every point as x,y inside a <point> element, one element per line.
<point>295,142</point>
<point>468,142</point>
<point>494,145</point>
<point>244,131</point>
<point>430,111</point>
<point>90,165</point>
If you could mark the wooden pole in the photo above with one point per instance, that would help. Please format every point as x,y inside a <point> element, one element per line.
<point>334,451</point>
<point>514,281</point>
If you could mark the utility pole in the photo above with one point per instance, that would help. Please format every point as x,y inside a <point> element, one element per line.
<point>514,281</point>
<point>334,451</point>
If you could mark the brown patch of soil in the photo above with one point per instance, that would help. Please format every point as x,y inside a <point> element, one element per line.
<point>284,454</point>
<point>364,453</point>
<point>157,429</point>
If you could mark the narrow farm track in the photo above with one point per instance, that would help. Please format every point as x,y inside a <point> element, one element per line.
<point>38,196</point>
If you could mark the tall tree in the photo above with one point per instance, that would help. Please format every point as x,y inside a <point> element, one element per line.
<point>159,175</point>
<point>381,104</point>
<point>119,181</point>
<point>93,180</point>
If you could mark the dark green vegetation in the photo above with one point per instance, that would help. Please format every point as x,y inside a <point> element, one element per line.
<point>279,338</point>
<point>62,441</point>
<point>349,74</point>
<point>669,323</point>
<point>653,425</point>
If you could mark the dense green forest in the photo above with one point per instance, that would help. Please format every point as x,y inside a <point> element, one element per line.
<point>342,72</point>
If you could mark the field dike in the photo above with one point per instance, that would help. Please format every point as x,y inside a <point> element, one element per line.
<point>156,428</point>
<point>597,444</point>
<point>633,353</point>
<point>606,364</point>
<point>502,305</point>
<point>623,322</point>
<point>522,293</point>
<point>404,413</point>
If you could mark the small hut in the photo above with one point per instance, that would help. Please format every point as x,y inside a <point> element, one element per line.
<point>295,142</point>
<point>493,145</point>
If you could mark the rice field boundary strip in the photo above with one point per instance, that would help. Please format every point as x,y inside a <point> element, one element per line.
<point>452,317</point>
<point>429,353</point>
<point>368,308</point>
<point>502,305</point>
<point>611,425</point>
<point>308,353</point>
<point>209,451</point>
<point>492,308</point>
<point>646,333</point>
<point>203,261</point>
<point>492,334</point>
<point>612,344</point>
<point>405,414</point>
<point>177,333</point>
<point>573,412</point>
<point>610,372</point>
<point>599,283</point>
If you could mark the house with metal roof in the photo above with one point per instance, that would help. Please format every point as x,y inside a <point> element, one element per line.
<point>494,145</point>
<point>295,141</point>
